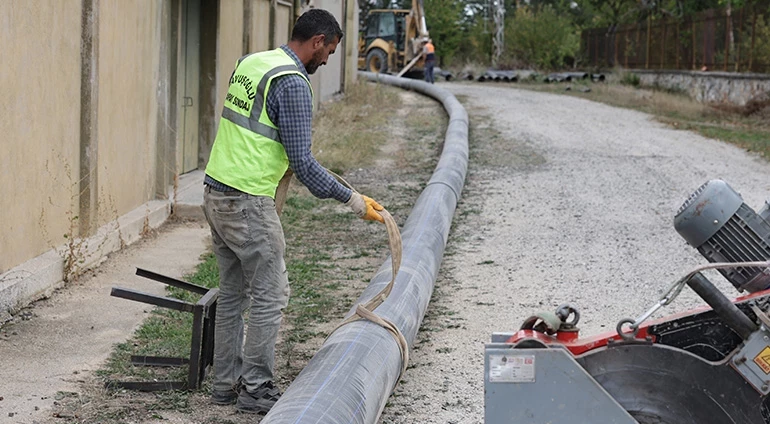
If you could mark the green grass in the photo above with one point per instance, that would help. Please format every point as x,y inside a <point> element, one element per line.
<point>753,140</point>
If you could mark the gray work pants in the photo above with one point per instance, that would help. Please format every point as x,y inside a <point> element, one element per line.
<point>249,246</point>
<point>429,64</point>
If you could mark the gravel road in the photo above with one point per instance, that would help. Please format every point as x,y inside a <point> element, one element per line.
<point>566,200</point>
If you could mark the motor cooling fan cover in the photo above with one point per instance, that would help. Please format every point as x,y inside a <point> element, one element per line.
<point>715,221</point>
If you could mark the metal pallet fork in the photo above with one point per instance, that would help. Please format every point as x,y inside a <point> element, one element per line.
<point>202,341</point>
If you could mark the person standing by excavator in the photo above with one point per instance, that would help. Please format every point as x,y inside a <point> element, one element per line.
<point>264,134</point>
<point>430,60</point>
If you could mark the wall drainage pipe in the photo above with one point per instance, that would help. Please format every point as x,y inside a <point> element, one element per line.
<point>353,374</point>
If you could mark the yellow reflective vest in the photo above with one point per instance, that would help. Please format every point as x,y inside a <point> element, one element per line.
<point>247,152</point>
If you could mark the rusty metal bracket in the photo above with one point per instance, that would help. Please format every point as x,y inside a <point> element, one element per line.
<point>201,343</point>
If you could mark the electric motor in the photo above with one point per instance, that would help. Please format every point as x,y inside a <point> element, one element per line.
<point>715,221</point>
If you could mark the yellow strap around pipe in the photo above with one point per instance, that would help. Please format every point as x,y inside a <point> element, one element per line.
<point>366,311</point>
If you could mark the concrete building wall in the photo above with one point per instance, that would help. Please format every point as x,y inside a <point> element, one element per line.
<point>260,25</point>
<point>328,80</point>
<point>351,43</point>
<point>97,95</point>
<point>40,125</point>
<point>230,47</point>
<point>283,21</point>
<point>129,46</point>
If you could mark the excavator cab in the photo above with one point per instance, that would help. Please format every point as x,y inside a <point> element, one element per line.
<point>383,38</point>
<point>381,25</point>
<point>387,41</point>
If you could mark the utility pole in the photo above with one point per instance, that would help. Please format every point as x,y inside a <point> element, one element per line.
<point>497,42</point>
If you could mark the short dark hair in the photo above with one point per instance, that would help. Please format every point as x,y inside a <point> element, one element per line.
<point>315,22</point>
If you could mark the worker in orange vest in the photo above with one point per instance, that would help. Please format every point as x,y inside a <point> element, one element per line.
<point>430,60</point>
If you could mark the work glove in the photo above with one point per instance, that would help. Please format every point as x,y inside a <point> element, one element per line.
<point>365,207</point>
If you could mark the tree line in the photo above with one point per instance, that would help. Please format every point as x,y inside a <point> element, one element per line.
<point>542,34</point>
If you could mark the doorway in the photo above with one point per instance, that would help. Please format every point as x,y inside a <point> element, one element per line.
<point>189,86</point>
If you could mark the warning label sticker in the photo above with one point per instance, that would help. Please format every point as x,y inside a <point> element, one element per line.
<point>763,360</point>
<point>511,368</point>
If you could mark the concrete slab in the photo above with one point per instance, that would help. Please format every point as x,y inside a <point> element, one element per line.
<point>188,199</point>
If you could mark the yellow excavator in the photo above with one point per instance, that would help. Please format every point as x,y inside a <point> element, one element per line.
<point>392,40</point>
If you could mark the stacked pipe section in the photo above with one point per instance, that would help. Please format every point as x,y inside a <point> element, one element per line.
<point>351,377</point>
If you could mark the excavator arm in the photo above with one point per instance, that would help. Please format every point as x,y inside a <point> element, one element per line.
<point>419,10</point>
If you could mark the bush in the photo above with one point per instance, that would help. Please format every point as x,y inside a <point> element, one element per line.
<point>630,78</point>
<point>476,44</point>
<point>542,38</point>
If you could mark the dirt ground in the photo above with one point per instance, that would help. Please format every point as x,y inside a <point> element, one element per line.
<point>566,200</point>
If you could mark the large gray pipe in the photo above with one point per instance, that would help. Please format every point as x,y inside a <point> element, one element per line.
<point>351,377</point>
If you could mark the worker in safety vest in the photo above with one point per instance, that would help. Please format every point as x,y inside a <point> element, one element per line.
<point>430,60</point>
<point>264,134</point>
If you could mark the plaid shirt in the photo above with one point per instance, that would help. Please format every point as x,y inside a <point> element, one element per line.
<point>290,107</point>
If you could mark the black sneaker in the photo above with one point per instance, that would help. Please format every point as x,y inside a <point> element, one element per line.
<point>259,401</point>
<point>227,397</point>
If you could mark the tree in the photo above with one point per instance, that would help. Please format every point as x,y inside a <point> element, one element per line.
<point>445,20</point>
<point>541,38</point>
<point>364,6</point>
<point>610,12</point>
<point>475,45</point>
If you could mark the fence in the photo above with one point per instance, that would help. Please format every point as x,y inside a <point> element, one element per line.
<point>719,40</point>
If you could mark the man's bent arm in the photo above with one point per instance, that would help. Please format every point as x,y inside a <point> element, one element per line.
<point>291,105</point>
